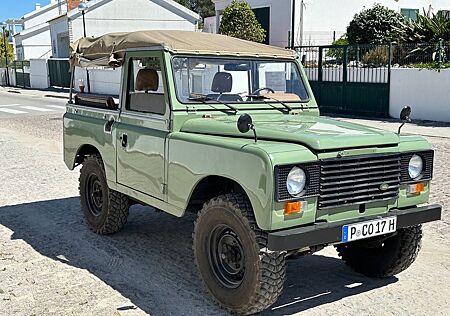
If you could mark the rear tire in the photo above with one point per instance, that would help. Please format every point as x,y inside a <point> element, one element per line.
<point>105,210</point>
<point>231,255</point>
<point>385,258</point>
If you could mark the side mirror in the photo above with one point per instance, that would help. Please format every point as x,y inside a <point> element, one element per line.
<point>405,114</point>
<point>244,123</point>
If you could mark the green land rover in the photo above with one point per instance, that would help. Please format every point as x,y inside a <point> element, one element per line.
<point>230,130</point>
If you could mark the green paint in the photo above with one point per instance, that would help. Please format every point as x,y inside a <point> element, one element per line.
<point>167,156</point>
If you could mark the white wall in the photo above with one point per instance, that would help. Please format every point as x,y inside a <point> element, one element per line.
<point>322,17</point>
<point>42,15</point>
<point>37,45</point>
<point>426,91</point>
<point>127,16</point>
<point>39,78</point>
<point>103,81</point>
<point>59,28</point>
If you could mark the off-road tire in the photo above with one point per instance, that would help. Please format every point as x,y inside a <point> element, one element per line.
<point>392,256</point>
<point>265,271</point>
<point>114,210</point>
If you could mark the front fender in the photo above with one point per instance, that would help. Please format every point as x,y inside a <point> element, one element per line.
<point>192,157</point>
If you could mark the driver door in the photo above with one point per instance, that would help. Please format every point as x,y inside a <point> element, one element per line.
<point>143,125</point>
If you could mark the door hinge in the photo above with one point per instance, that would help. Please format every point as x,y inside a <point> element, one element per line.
<point>191,109</point>
<point>163,188</point>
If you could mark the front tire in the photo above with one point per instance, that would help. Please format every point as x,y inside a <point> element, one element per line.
<point>385,258</point>
<point>232,258</point>
<point>105,210</point>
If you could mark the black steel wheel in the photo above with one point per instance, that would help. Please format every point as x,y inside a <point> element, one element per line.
<point>94,194</point>
<point>226,256</point>
<point>231,255</point>
<point>105,210</point>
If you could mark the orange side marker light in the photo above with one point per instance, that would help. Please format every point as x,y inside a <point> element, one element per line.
<point>416,188</point>
<point>292,208</point>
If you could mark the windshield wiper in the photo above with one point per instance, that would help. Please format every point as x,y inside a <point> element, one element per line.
<point>263,97</point>
<point>203,98</point>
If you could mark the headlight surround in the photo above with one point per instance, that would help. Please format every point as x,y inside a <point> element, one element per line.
<point>415,166</point>
<point>296,181</point>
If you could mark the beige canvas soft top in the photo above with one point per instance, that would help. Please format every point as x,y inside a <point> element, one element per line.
<point>109,49</point>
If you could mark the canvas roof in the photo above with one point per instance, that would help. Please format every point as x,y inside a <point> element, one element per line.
<point>109,49</point>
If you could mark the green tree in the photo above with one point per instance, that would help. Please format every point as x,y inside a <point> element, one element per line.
<point>9,49</point>
<point>376,25</point>
<point>425,29</point>
<point>203,7</point>
<point>238,20</point>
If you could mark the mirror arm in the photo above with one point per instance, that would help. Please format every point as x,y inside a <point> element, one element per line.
<point>252,127</point>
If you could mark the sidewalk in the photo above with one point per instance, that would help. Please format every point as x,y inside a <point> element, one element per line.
<point>47,93</point>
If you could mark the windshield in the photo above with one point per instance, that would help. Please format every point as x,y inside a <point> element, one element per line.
<point>213,80</point>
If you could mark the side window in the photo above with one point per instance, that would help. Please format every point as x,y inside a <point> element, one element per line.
<point>145,86</point>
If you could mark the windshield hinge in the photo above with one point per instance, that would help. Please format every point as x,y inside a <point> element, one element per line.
<point>191,109</point>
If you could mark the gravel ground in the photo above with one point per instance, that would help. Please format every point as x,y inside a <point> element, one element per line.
<point>51,264</point>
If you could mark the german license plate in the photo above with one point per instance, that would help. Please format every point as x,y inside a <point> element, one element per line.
<point>368,229</point>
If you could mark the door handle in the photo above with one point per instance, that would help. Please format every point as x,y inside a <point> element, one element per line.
<point>108,125</point>
<point>124,139</point>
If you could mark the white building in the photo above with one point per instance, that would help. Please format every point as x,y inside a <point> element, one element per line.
<point>319,22</point>
<point>48,30</point>
<point>34,40</point>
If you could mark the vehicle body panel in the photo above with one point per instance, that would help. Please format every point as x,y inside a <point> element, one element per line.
<point>167,156</point>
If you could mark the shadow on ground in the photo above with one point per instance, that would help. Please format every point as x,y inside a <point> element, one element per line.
<point>150,261</point>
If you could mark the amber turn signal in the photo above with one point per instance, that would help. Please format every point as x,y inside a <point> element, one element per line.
<point>292,208</point>
<point>416,188</point>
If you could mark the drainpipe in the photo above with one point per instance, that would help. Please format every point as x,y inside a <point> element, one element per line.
<point>292,43</point>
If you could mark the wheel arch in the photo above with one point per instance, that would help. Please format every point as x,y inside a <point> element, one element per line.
<point>212,186</point>
<point>83,151</point>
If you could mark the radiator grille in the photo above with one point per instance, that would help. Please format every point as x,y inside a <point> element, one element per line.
<point>359,180</point>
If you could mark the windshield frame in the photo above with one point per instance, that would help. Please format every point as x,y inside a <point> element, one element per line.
<point>301,103</point>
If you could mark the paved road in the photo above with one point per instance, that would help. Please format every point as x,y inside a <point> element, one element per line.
<point>13,105</point>
<point>51,264</point>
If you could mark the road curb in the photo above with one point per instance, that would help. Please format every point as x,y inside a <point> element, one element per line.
<point>56,96</point>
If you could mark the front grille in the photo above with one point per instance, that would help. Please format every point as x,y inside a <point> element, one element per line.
<point>359,180</point>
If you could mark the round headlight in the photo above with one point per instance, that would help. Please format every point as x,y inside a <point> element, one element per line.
<point>415,166</point>
<point>296,181</point>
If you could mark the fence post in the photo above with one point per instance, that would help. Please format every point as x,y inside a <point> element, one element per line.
<point>320,65</point>
<point>23,74</point>
<point>345,65</point>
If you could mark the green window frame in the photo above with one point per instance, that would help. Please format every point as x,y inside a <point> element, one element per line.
<point>410,14</point>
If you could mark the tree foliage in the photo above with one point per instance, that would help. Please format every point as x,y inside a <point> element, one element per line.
<point>203,7</point>
<point>9,49</point>
<point>238,20</point>
<point>424,30</point>
<point>376,25</point>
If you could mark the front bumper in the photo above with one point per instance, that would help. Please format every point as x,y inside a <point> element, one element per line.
<point>325,233</point>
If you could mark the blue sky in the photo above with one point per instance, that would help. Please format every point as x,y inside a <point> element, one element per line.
<point>18,8</point>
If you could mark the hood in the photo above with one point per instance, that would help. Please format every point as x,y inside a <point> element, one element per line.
<point>314,132</point>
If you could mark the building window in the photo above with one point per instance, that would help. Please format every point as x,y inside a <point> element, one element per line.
<point>444,13</point>
<point>410,14</point>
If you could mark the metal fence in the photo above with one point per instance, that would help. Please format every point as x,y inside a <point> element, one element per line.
<point>369,63</point>
<point>355,79</point>
<point>22,71</point>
